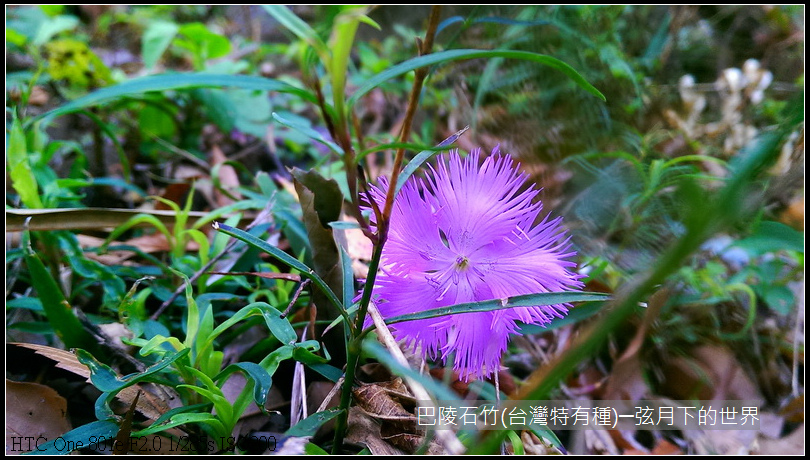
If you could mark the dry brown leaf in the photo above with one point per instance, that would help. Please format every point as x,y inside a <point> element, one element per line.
<point>376,401</point>
<point>533,445</point>
<point>364,431</point>
<point>228,178</point>
<point>712,373</point>
<point>153,243</point>
<point>664,447</point>
<point>792,444</point>
<point>793,411</point>
<point>150,404</point>
<point>600,442</point>
<point>626,380</point>
<point>85,218</point>
<point>33,411</point>
<point>722,442</point>
<point>793,215</point>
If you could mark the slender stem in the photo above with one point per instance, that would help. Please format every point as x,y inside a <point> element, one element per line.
<point>353,350</point>
<point>413,102</point>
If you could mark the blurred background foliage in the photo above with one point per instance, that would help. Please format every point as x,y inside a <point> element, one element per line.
<point>688,88</point>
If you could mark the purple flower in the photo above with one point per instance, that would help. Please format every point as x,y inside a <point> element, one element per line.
<point>463,234</point>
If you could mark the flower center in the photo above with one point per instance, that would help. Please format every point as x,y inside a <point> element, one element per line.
<point>462,262</point>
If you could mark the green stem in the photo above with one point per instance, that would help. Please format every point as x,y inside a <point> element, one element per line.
<point>353,351</point>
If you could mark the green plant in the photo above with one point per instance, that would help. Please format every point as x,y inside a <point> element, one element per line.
<point>242,279</point>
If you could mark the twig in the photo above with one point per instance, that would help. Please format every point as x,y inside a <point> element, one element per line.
<point>353,351</point>
<point>297,293</point>
<point>228,248</point>
<point>331,395</point>
<point>451,443</point>
<point>413,102</point>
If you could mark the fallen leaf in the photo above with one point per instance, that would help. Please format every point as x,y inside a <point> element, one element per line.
<point>84,218</point>
<point>33,411</point>
<point>228,178</point>
<point>364,431</point>
<point>626,380</point>
<point>664,447</point>
<point>376,401</point>
<point>151,404</point>
<point>792,444</point>
<point>600,442</point>
<point>711,373</point>
<point>721,442</point>
<point>533,445</point>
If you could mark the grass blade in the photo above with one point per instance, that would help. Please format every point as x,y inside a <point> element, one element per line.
<point>59,312</point>
<point>282,256</point>
<point>529,300</point>
<point>424,156</point>
<point>458,55</point>
<point>165,82</point>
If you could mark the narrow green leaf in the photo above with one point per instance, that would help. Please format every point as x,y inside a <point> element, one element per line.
<point>107,381</point>
<point>575,315</point>
<point>348,278</point>
<point>344,225</point>
<point>457,55</point>
<point>301,29</point>
<point>310,425</point>
<point>343,31</point>
<point>308,131</point>
<point>59,312</point>
<point>202,418</point>
<point>424,156</point>
<point>330,372</point>
<point>313,449</point>
<point>257,374</point>
<point>52,27</point>
<point>397,145</point>
<point>279,327</point>
<point>271,362</point>
<point>772,236</point>
<point>282,256</point>
<point>164,421</point>
<point>22,179</point>
<point>77,438</point>
<point>165,82</point>
<point>156,39</point>
<point>84,218</point>
<point>528,300</point>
